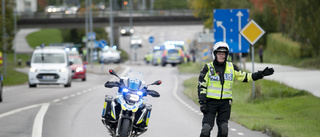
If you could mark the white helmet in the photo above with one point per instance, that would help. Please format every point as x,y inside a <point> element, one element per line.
<point>222,47</point>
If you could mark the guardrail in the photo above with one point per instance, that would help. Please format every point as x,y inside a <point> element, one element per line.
<point>103,14</point>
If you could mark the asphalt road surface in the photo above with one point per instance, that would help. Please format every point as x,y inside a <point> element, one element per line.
<point>51,111</point>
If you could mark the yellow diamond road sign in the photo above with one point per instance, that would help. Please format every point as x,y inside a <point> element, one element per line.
<point>252,32</point>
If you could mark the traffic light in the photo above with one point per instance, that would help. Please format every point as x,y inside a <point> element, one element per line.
<point>125,3</point>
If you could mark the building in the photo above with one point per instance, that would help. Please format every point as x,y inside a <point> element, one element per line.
<point>26,5</point>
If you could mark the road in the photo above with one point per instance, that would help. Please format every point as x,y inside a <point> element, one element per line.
<point>51,111</point>
<point>76,111</point>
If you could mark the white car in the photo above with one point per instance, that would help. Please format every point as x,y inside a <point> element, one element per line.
<point>49,66</point>
<point>136,41</point>
<point>110,56</point>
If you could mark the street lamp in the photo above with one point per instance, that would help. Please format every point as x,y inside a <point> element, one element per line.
<point>4,39</point>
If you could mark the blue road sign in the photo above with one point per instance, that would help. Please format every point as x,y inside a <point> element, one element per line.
<point>151,39</point>
<point>96,44</point>
<point>102,43</point>
<point>91,36</point>
<point>227,24</point>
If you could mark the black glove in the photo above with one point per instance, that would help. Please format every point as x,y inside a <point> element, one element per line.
<point>267,71</point>
<point>202,98</point>
<point>203,108</point>
<point>202,102</point>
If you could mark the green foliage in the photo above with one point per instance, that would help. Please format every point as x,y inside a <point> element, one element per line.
<point>124,55</point>
<point>267,19</point>
<point>300,21</point>
<point>278,44</point>
<point>190,67</point>
<point>13,77</point>
<point>170,4</point>
<point>46,36</point>
<point>282,110</point>
<point>204,8</point>
<point>75,35</point>
<point>9,25</point>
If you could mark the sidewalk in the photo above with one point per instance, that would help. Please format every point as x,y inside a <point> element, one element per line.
<point>21,42</point>
<point>304,79</point>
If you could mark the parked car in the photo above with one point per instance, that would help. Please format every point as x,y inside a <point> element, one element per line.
<point>126,31</point>
<point>78,68</point>
<point>49,66</point>
<point>110,55</point>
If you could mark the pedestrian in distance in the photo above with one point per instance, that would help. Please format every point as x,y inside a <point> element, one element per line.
<point>215,89</point>
<point>261,53</point>
<point>243,60</point>
<point>193,53</point>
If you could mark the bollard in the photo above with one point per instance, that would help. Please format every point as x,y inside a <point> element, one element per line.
<point>19,62</point>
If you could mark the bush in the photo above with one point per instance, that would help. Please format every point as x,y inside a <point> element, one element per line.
<point>278,44</point>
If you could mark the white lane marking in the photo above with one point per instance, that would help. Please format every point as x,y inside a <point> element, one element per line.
<point>56,100</point>
<point>241,134</point>
<point>233,129</point>
<point>38,121</point>
<point>65,97</point>
<point>175,93</point>
<point>18,110</point>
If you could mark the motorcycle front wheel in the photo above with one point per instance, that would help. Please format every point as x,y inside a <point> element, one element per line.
<point>124,129</point>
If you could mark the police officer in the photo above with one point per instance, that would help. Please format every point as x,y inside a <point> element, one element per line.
<point>215,89</point>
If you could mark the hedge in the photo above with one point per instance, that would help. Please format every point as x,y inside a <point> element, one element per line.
<point>278,44</point>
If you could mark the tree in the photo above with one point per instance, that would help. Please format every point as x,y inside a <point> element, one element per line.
<point>204,8</point>
<point>9,25</point>
<point>299,20</point>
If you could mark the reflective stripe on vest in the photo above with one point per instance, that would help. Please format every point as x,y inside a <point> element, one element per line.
<point>214,88</point>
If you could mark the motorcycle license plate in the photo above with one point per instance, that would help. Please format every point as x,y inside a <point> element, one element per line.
<point>47,77</point>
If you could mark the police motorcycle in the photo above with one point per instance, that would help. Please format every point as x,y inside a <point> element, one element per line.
<point>128,115</point>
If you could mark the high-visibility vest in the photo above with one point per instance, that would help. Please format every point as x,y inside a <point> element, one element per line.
<point>214,88</point>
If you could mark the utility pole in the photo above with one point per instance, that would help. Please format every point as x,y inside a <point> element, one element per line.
<point>15,32</point>
<point>4,58</point>
<point>91,32</point>
<point>86,22</point>
<point>111,23</point>
<point>130,24</point>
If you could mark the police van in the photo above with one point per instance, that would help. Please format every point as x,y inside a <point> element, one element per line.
<point>49,66</point>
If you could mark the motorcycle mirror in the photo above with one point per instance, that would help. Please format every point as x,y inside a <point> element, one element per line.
<point>153,93</point>
<point>111,84</point>
<point>112,72</point>
<point>158,82</point>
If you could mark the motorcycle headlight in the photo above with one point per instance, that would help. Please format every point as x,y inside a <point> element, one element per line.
<point>63,69</point>
<point>125,90</point>
<point>140,93</point>
<point>79,69</point>
<point>33,69</point>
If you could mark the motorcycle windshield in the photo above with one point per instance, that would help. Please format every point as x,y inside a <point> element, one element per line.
<point>135,80</point>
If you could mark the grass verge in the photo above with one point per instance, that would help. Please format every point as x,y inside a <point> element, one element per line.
<point>277,108</point>
<point>46,36</point>
<point>14,77</point>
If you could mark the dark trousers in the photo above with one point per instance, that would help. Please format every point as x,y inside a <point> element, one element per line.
<point>219,110</point>
<point>261,59</point>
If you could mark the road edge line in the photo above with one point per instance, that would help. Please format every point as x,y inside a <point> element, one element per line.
<point>38,121</point>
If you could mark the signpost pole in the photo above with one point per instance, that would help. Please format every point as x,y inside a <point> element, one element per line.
<point>252,33</point>
<point>252,56</point>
